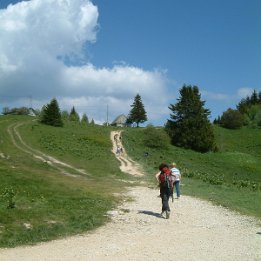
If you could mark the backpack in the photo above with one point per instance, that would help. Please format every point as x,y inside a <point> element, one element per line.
<point>165,178</point>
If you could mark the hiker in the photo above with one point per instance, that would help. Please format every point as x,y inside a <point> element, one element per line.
<point>119,151</point>
<point>175,172</point>
<point>166,187</point>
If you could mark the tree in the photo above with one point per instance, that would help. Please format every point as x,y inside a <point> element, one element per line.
<point>74,116</point>
<point>84,119</point>
<point>189,126</point>
<point>232,119</point>
<point>65,115</point>
<point>137,114</point>
<point>51,114</point>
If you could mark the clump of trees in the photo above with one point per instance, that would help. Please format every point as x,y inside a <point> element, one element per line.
<point>248,113</point>
<point>189,126</point>
<point>137,114</point>
<point>51,115</point>
<point>231,119</point>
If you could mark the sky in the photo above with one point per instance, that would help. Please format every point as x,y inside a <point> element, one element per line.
<point>97,55</point>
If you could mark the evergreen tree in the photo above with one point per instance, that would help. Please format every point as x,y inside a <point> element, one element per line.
<point>92,122</point>
<point>137,114</point>
<point>254,98</point>
<point>84,119</point>
<point>259,97</point>
<point>74,116</point>
<point>51,114</point>
<point>189,126</point>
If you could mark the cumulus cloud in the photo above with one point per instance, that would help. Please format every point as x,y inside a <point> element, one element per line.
<point>42,55</point>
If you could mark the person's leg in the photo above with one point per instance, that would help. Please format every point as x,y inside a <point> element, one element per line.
<point>177,189</point>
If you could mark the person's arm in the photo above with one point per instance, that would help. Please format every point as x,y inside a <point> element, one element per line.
<point>157,176</point>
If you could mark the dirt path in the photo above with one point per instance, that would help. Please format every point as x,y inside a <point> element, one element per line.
<point>196,230</point>
<point>17,140</point>
<point>127,164</point>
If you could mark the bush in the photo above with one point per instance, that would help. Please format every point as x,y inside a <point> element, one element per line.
<point>156,138</point>
<point>232,119</point>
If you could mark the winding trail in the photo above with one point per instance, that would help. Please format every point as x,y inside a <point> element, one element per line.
<point>196,230</point>
<point>127,164</point>
<point>55,163</point>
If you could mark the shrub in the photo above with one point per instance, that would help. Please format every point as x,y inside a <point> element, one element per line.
<point>232,119</point>
<point>156,138</point>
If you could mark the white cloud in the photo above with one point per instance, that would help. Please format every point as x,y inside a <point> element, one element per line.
<point>244,92</point>
<point>39,39</point>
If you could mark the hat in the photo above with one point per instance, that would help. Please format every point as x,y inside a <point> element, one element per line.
<point>173,164</point>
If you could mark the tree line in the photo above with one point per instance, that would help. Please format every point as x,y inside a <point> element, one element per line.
<point>188,127</point>
<point>247,113</point>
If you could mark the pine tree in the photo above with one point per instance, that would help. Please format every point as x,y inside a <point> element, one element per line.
<point>137,114</point>
<point>84,119</point>
<point>92,122</point>
<point>74,116</point>
<point>189,126</point>
<point>254,98</point>
<point>51,114</point>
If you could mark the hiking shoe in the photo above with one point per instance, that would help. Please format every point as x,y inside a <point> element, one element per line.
<point>167,214</point>
<point>161,214</point>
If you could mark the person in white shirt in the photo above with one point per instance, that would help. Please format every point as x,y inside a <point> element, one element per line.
<point>175,172</point>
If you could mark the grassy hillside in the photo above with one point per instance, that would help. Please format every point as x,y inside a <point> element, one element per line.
<point>53,200</point>
<point>231,177</point>
<point>50,202</point>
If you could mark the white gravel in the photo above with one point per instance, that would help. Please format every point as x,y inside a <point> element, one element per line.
<point>196,230</point>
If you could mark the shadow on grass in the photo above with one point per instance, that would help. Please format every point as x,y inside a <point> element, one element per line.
<point>150,213</point>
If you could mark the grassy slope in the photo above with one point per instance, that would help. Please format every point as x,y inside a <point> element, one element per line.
<point>51,203</point>
<point>234,167</point>
<point>55,205</point>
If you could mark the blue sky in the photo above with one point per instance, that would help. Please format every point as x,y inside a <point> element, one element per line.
<point>90,54</point>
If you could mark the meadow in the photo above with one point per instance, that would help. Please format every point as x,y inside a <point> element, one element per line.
<point>47,203</point>
<point>230,177</point>
<point>39,202</point>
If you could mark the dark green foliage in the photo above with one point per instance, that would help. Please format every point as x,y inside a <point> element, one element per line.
<point>84,119</point>
<point>247,102</point>
<point>156,138</point>
<point>250,108</point>
<point>51,114</point>
<point>137,113</point>
<point>92,122</point>
<point>232,119</point>
<point>252,116</point>
<point>74,116</point>
<point>8,194</point>
<point>189,126</point>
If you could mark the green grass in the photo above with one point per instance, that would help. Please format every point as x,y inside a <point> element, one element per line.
<point>49,204</point>
<point>233,174</point>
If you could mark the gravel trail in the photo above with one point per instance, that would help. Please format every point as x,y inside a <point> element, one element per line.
<point>196,230</point>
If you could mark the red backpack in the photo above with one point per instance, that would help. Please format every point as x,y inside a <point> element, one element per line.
<point>165,178</point>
